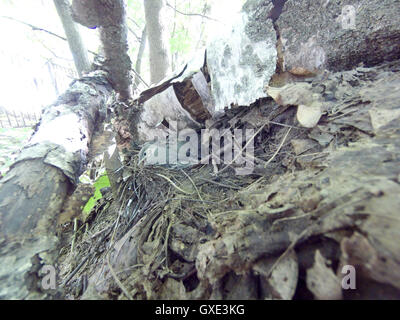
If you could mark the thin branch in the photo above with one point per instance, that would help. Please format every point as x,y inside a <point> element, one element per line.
<point>141,79</point>
<point>130,19</point>
<point>122,287</point>
<point>201,27</point>
<point>134,33</point>
<point>279,148</point>
<point>244,148</point>
<point>34,28</point>
<point>191,14</point>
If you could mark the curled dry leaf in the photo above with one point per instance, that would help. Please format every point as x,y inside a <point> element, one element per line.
<point>292,94</point>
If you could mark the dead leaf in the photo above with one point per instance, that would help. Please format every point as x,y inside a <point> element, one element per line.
<point>308,116</point>
<point>322,281</point>
<point>283,280</point>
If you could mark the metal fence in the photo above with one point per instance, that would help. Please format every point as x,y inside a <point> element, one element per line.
<point>16,119</point>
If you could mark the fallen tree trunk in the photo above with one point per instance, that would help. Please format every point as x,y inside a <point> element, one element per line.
<point>33,191</point>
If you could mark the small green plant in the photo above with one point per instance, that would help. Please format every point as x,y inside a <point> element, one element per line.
<point>101,182</point>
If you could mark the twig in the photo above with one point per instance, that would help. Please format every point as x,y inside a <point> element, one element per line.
<point>194,200</point>
<point>117,280</point>
<point>76,270</point>
<point>173,184</point>
<point>285,125</point>
<point>34,28</point>
<point>134,22</point>
<point>100,232</point>
<point>316,223</point>
<point>285,253</point>
<point>138,39</point>
<point>140,78</point>
<point>244,148</point>
<point>279,148</point>
<point>197,190</point>
<point>194,185</point>
<point>192,14</point>
<point>220,184</point>
<point>74,237</point>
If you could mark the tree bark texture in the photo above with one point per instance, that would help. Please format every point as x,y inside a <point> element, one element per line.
<point>76,45</point>
<point>110,18</point>
<point>158,46</point>
<point>337,35</point>
<point>33,191</point>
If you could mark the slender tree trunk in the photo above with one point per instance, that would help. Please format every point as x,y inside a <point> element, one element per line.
<point>75,42</point>
<point>159,62</point>
<point>110,17</point>
<point>202,27</point>
<point>142,47</point>
<point>33,191</point>
<point>172,36</point>
<point>53,77</point>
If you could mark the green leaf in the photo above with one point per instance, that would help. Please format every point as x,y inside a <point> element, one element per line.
<point>101,182</point>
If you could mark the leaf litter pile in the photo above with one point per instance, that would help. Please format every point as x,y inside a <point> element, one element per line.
<point>318,199</point>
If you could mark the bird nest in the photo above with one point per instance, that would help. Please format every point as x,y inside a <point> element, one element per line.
<point>283,231</point>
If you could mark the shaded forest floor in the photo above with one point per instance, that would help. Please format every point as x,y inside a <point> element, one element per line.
<point>318,199</point>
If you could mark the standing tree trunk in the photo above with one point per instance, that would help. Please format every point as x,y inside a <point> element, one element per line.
<point>110,17</point>
<point>75,42</point>
<point>159,63</point>
<point>53,78</point>
<point>142,47</point>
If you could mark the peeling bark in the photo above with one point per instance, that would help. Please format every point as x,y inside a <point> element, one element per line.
<point>183,99</point>
<point>243,59</point>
